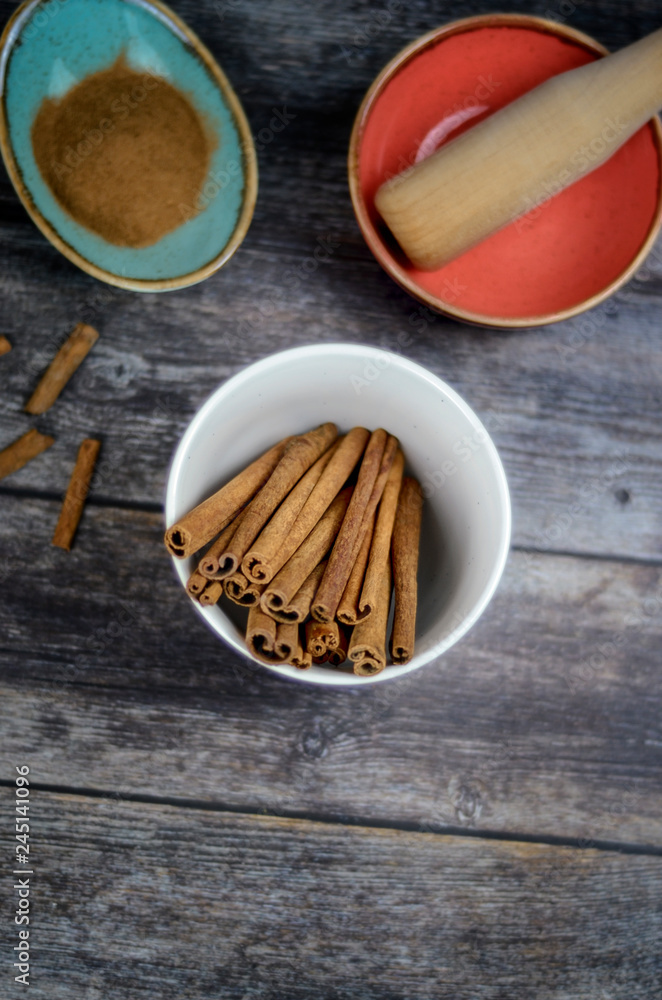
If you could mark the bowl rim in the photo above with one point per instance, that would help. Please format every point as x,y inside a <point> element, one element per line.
<point>391,266</point>
<point>166,16</point>
<point>362,352</point>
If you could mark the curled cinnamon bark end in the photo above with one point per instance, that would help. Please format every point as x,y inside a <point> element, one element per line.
<point>338,655</point>
<point>191,532</point>
<point>196,584</point>
<point>238,589</point>
<point>368,640</point>
<point>404,554</point>
<point>70,356</point>
<point>298,608</point>
<point>211,594</point>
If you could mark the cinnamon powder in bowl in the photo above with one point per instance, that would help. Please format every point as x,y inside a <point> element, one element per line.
<point>144,155</point>
<point>125,141</point>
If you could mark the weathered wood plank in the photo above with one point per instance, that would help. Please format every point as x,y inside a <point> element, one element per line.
<point>544,720</point>
<point>574,408</point>
<point>142,900</point>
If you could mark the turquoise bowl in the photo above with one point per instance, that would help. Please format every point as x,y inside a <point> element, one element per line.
<point>48,46</point>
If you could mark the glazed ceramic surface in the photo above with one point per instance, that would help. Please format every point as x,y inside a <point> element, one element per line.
<point>466,524</point>
<point>46,49</point>
<point>568,253</point>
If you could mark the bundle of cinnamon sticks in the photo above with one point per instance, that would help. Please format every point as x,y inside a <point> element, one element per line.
<point>313,537</point>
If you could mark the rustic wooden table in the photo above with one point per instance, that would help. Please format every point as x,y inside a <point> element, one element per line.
<point>200,829</point>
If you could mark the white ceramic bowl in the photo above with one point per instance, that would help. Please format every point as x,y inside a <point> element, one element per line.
<point>466,522</point>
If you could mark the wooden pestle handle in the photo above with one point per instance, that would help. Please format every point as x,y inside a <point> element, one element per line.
<point>522,155</point>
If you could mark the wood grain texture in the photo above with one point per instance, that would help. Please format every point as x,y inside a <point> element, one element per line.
<point>573,408</point>
<point>544,720</point>
<point>145,900</point>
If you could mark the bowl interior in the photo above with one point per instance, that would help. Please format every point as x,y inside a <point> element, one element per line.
<point>51,46</point>
<point>563,253</point>
<point>466,526</point>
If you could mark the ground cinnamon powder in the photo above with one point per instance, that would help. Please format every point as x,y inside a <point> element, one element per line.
<point>122,152</point>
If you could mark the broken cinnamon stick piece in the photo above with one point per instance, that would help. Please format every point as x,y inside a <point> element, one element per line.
<point>381,541</point>
<point>299,607</point>
<point>367,646</point>
<point>23,450</point>
<point>350,536</point>
<point>280,592</point>
<point>264,566</point>
<point>5,346</point>
<point>404,553</point>
<point>277,530</point>
<point>299,455</point>
<point>200,525</point>
<point>76,495</point>
<point>70,356</point>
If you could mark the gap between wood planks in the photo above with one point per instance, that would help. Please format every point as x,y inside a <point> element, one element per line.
<point>200,805</point>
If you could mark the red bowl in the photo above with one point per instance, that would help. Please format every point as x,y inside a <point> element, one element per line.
<point>563,257</point>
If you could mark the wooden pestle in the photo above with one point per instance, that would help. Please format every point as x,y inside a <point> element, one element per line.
<point>522,155</point>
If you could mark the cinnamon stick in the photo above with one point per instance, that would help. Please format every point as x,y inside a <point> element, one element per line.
<point>381,541</point>
<point>211,594</point>
<point>262,566</point>
<point>280,592</point>
<point>208,565</point>
<point>5,346</point>
<point>242,591</point>
<point>23,450</point>
<point>350,536</point>
<point>338,655</point>
<point>288,645</point>
<point>277,530</point>
<point>267,640</point>
<point>321,637</point>
<point>196,584</point>
<point>404,554</point>
<point>70,356</point>
<point>367,646</point>
<point>299,607</point>
<point>77,491</point>
<point>297,458</point>
<point>348,608</point>
<point>200,525</point>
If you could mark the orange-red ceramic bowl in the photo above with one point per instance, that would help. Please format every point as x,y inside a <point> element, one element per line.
<point>563,257</point>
